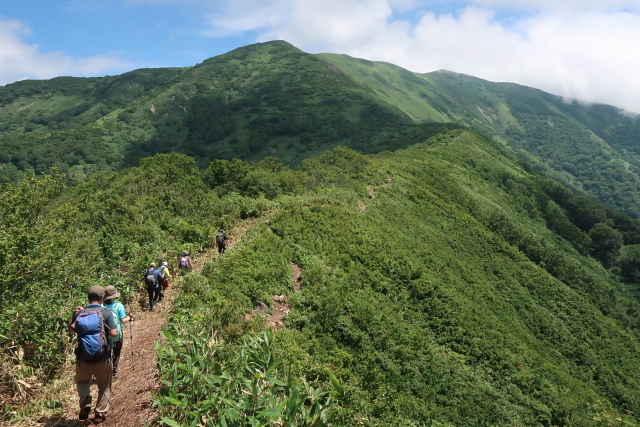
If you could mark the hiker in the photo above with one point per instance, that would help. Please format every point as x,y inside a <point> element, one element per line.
<point>93,324</point>
<point>120,316</point>
<point>222,242</point>
<point>185,262</point>
<point>153,287</point>
<point>163,279</point>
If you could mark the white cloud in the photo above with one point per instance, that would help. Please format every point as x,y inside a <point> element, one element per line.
<point>20,60</point>
<point>588,52</point>
<point>575,5</point>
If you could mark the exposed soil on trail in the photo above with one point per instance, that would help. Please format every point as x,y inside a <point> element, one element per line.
<point>132,390</point>
<point>137,379</point>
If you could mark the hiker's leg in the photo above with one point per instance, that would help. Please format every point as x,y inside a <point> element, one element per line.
<point>150,292</point>
<point>117,349</point>
<point>84,373</point>
<point>103,372</point>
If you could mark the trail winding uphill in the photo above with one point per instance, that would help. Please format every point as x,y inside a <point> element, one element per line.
<point>138,377</point>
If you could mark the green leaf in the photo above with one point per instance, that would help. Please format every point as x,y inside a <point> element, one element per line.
<point>276,381</point>
<point>272,413</point>
<point>170,422</point>
<point>336,384</point>
<point>174,401</point>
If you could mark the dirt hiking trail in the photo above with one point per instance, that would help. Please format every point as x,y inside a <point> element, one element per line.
<point>131,392</point>
<point>138,378</point>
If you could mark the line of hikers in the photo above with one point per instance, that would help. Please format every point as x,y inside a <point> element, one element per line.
<point>157,281</point>
<point>100,330</point>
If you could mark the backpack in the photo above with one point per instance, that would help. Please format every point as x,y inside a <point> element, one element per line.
<point>93,345</point>
<point>114,309</point>
<point>160,278</point>
<point>222,239</point>
<point>185,263</point>
<point>150,278</point>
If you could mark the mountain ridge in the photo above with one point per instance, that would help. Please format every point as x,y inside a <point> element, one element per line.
<point>447,283</point>
<point>272,99</point>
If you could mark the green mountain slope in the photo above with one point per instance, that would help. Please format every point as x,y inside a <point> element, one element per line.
<point>262,100</point>
<point>444,284</point>
<point>590,147</point>
<point>272,99</point>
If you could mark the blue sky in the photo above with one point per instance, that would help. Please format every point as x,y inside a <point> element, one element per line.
<point>583,49</point>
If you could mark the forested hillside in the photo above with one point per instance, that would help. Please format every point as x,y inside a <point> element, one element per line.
<point>448,283</point>
<point>593,148</point>
<point>271,99</point>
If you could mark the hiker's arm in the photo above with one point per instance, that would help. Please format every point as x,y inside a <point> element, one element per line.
<point>73,318</point>
<point>113,332</point>
<point>122,314</point>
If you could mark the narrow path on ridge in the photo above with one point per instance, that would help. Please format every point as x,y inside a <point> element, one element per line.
<point>138,379</point>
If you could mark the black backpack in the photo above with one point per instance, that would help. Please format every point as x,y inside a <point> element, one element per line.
<point>222,239</point>
<point>150,278</point>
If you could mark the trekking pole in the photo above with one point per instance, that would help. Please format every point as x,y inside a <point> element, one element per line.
<point>133,366</point>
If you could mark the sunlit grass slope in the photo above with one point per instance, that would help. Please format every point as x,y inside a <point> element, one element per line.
<point>433,287</point>
<point>593,148</point>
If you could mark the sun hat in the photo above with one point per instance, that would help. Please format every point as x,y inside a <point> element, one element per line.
<point>110,292</point>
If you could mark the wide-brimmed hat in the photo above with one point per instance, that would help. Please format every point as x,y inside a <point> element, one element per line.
<point>95,292</point>
<point>110,292</point>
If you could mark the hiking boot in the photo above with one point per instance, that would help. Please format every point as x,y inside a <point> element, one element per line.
<point>84,412</point>
<point>99,418</point>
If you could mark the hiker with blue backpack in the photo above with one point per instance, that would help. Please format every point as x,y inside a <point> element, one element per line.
<point>120,316</point>
<point>94,324</point>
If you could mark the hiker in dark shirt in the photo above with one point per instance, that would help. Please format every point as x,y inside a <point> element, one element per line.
<point>93,353</point>
<point>221,240</point>
<point>153,285</point>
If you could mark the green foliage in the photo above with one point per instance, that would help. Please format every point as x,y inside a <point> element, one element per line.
<point>271,99</point>
<point>32,245</point>
<point>443,284</point>
<point>245,388</point>
<point>606,242</point>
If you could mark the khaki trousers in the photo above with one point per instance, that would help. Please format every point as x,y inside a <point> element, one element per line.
<point>102,372</point>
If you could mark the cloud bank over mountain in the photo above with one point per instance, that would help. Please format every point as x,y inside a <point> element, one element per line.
<point>583,50</point>
<point>578,49</point>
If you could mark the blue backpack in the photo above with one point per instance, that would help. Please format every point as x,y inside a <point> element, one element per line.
<point>93,345</point>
